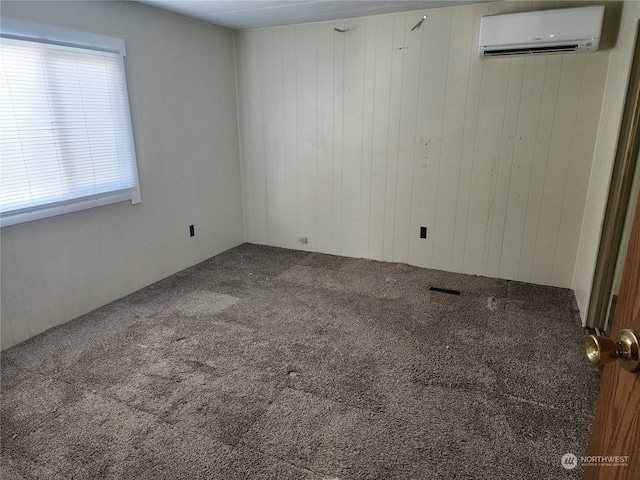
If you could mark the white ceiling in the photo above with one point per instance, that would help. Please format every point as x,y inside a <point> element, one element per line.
<point>241,14</point>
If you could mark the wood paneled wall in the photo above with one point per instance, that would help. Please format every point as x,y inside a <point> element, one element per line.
<point>356,140</point>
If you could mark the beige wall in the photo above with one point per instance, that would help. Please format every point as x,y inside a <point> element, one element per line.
<point>606,142</point>
<point>181,82</point>
<point>356,140</point>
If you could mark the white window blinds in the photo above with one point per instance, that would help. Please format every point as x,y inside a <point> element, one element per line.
<point>66,141</point>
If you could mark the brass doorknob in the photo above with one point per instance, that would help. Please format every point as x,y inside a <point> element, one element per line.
<point>626,349</point>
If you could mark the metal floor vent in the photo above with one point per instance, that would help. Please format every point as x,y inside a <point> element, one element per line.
<point>445,290</point>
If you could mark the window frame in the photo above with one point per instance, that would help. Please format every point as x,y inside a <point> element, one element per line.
<point>38,33</point>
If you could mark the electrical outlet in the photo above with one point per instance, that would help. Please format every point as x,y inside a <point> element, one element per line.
<point>304,240</point>
<point>192,231</point>
<point>423,232</point>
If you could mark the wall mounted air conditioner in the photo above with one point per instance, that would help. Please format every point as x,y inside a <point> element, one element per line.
<point>550,31</point>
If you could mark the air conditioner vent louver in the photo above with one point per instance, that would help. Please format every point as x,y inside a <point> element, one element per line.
<point>531,50</point>
<point>564,30</point>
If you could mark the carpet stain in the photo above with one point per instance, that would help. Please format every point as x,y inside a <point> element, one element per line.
<point>201,303</point>
<point>492,304</point>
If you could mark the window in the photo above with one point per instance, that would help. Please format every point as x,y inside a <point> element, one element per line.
<point>65,127</point>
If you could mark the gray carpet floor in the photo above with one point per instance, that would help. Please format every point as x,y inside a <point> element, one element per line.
<point>266,363</point>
